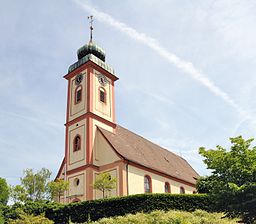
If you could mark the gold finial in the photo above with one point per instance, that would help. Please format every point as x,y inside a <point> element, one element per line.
<point>90,18</point>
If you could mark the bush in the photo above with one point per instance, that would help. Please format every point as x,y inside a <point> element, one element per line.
<point>119,206</point>
<point>170,217</point>
<point>94,210</point>
<point>28,219</point>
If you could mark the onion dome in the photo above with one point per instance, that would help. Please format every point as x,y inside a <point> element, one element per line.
<point>91,48</point>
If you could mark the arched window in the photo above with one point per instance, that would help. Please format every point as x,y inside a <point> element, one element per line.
<point>147,184</point>
<point>102,95</point>
<point>182,190</point>
<point>167,188</point>
<point>77,143</point>
<point>78,94</point>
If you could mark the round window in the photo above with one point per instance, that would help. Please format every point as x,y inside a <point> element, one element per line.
<point>76,182</point>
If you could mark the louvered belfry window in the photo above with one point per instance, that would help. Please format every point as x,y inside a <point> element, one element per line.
<point>77,143</point>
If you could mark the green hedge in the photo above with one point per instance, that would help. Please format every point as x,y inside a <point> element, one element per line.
<point>94,210</point>
<point>119,206</point>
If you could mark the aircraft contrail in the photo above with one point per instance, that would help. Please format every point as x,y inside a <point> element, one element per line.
<point>186,66</point>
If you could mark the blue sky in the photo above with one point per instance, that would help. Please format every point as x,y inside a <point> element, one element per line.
<point>186,68</point>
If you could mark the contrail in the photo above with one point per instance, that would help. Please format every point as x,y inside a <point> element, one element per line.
<point>186,66</point>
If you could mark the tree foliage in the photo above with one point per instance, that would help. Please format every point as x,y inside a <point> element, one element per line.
<point>233,179</point>
<point>205,185</point>
<point>18,194</point>
<point>235,166</point>
<point>57,188</point>
<point>104,183</point>
<point>4,191</point>
<point>35,184</point>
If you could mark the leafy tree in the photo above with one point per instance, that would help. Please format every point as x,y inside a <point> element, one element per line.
<point>36,184</point>
<point>57,188</point>
<point>233,179</point>
<point>206,184</point>
<point>18,194</point>
<point>4,191</point>
<point>104,183</point>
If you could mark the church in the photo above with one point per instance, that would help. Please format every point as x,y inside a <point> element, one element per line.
<point>95,143</point>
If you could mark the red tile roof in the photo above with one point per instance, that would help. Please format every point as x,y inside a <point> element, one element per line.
<point>139,150</point>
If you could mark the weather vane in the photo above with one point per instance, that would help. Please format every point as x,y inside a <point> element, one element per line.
<point>90,18</point>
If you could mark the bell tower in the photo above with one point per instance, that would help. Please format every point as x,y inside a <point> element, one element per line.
<point>90,104</point>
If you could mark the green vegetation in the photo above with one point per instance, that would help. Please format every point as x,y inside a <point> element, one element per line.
<point>233,180</point>
<point>24,218</point>
<point>94,210</point>
<point>57,188</point>
<point>18,193</point>
<point>35,184</point>
<point>104,183</point>
<point>4,191</point>
<point>1,216</point>
<point>170,217</point>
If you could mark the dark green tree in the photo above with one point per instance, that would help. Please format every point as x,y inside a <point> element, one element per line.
<point>4,191</point>
<point>233,179</point>
<point>205,185</point>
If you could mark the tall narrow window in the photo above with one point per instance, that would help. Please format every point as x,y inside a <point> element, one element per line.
<point>77,143</point>
<point>102,95</point>
<point>78,94</point>
<point>182,190</point>
<point>147,184</point>
<point>167,188</point>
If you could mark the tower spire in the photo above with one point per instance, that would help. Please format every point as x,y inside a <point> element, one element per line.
<point>90,18</point>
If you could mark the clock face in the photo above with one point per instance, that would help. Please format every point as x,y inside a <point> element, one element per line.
<point>79,79</point>
<point>102,79</point>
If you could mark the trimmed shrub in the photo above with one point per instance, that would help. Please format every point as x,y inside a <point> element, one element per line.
<point>119,206</point>
<point>94,210</point>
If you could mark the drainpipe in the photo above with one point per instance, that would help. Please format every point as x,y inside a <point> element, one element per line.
<point>65,178</point>
<point>127,185</point>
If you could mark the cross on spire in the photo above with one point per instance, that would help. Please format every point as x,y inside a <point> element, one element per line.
<point>90,18</point>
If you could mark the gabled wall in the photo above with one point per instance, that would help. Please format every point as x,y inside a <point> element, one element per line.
<point>102,151</point>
